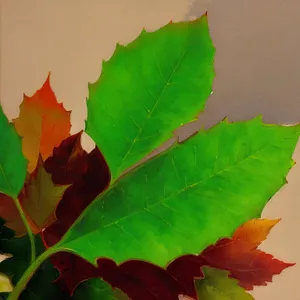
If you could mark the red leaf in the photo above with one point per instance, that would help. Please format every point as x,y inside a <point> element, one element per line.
<point>89,175</point>
<point>239,255</point>
<point>87,172</point>
<point>140,280</point>
<point>135,278</point>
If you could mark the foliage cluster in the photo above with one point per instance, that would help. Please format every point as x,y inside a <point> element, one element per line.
<point>101,225</point>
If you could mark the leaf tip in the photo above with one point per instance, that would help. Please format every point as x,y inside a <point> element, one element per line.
<point>290,264</point>
<point>118,48</point>
<point>103,63</point>
<point>225,120</point>
<point>273,223</point>
<point>47,83</point>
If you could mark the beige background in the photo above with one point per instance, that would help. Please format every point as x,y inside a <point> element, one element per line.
<point>257,66</point>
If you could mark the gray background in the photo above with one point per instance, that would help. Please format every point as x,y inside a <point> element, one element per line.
<point>257,72</point>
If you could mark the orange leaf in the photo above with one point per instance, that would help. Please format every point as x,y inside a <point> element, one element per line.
<point>255,231</point>
<point>43,123</point>
<point>40,198</point>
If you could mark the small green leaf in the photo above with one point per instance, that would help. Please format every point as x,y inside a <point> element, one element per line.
<point>20,250</point>
<point>217,285</point>
<point>188,197</point>
<point>41,285</point>
<point>13,165</point>
<point>97,288</point>
<point>148,89</point>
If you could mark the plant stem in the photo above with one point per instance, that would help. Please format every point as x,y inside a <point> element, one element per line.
<point>30,234</point>
<point>28,274</point>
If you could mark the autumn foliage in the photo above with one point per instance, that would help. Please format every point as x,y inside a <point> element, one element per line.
<point>101,224</point>
<point>70,178</point>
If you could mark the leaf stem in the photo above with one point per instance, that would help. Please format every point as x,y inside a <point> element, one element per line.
<point>28,274</point>
<point>30,234</point>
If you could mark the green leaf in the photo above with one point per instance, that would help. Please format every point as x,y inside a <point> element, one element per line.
<point>188,197</point>
<point>217,285</point>
<point>148,89</point>
<point>13,165</point>
<point>97,288</point>
<point>20,250</point>
<point>41,285</point>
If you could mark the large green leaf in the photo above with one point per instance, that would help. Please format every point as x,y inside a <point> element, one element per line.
<point>217,285</point>
<point>187,197</point>
<point>148,89</point>
<point>97,288</point>
<point>13,165</point>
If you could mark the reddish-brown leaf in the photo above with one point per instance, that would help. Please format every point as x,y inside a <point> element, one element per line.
<point>88,175</point>
<point>239,255</point>
<point>135,278</point>
<point>10,214</point>
<point>42,123</point>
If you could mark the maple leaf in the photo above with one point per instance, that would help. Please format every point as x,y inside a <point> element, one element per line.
<point>40,198</point>
<point>217,285</point>
<point>239,255</point>
<point>133,277</point>
<point>89,175</point>
<point>42,123</point>
<point>86,173</point>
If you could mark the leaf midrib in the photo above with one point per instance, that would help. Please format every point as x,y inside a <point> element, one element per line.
<point>193,185</point>
<point>61,243</point>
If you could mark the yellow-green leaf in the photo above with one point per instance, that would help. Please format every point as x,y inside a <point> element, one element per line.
<point>218,286</point>
<point>5,284</point>
<point>40,198</point>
